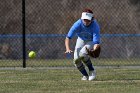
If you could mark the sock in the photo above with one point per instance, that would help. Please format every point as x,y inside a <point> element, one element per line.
<point>89,65</point>
<point>82,69</point>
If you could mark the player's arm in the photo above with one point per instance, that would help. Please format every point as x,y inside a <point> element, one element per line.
<point>96,36</point>
<point>67,45</point>
<point>67,40</point>
<point>70,35</point>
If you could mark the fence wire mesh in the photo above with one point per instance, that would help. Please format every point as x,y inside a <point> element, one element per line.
<point>48,21</point>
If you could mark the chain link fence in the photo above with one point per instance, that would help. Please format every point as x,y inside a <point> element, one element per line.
<point>48,21</point>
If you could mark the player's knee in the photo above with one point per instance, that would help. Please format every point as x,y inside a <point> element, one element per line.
<point>85,59</point>
<point>78,64</point>
<point>76,60</point>
<point>84,56</point>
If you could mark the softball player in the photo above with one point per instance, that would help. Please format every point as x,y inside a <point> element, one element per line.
<point>88,31</point>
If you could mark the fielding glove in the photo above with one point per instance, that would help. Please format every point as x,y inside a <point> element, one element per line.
<point>94,53</point>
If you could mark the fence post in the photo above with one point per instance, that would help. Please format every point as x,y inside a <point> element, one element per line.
<point>23,34</point>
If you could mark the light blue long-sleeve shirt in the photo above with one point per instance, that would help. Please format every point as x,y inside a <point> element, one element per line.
<point>86,33</point>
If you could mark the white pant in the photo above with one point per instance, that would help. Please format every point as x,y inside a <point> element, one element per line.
<point>80,49</point>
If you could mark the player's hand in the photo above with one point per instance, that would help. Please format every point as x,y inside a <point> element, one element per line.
<point>96,46</point>
<point>68,51</point>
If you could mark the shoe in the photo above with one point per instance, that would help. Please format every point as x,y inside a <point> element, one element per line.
<point>92,75</point>
<point>84,78</point>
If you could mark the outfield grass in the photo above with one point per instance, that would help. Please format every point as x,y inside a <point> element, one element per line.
<point>68,81</point>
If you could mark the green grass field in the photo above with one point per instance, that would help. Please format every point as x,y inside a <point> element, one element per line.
<point>35,80</point>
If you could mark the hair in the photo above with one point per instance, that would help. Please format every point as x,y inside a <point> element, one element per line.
<point>87,10</point>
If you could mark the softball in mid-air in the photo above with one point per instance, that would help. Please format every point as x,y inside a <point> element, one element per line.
<point>32,54</point>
